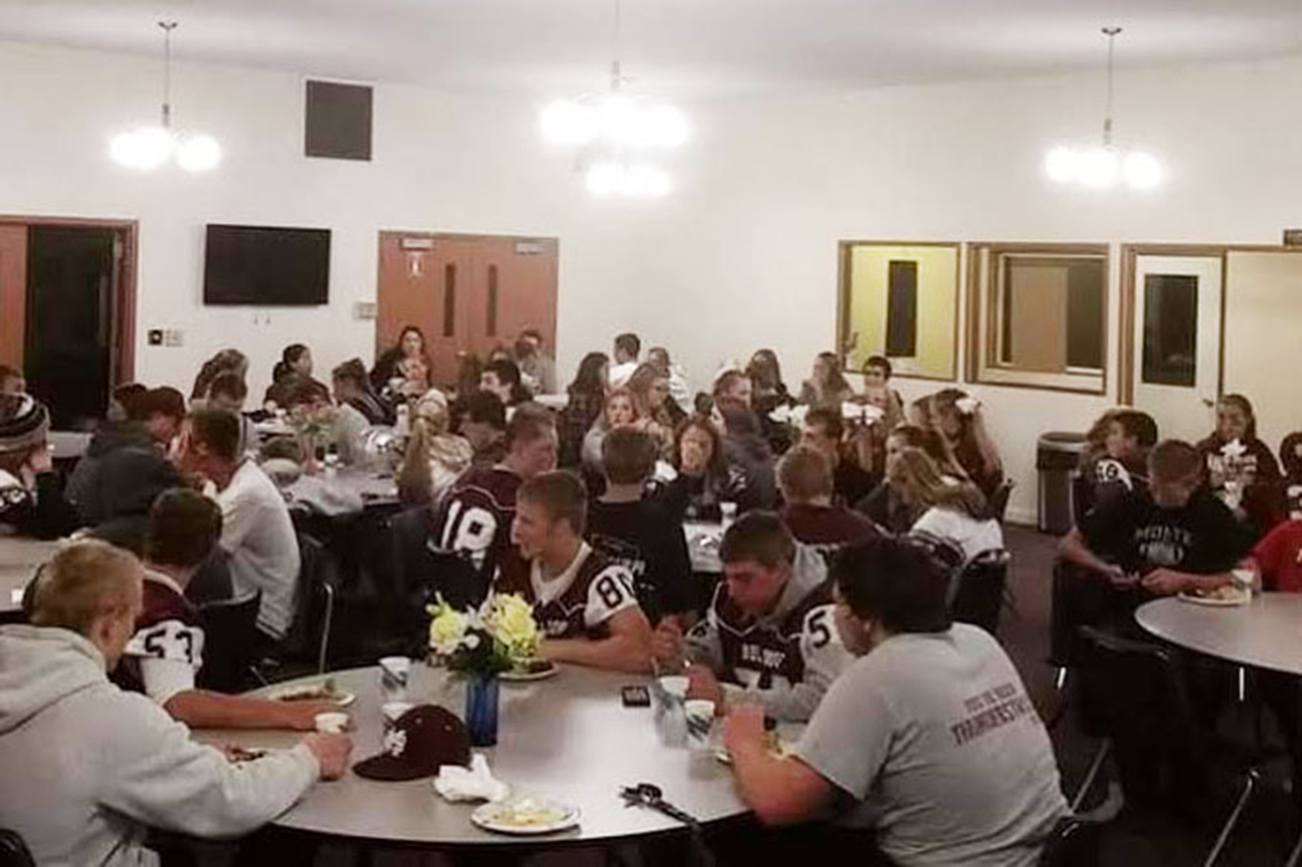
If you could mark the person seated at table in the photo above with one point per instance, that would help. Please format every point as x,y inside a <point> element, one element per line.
<point>1121,463</point>
<point>747,452</point>
<point>152,423</point>
<point>954,512</point>
<point>584,603</point>
<point>502,378</point>
<point>884,506</point>
<point>474,519</point>
<point>228,392</point>
<point>627,348</point>
<point>130,480</point>
<point>257,531</point>
<point>621,410</point>
<point>679,393</point>
<point>827,386</point>
<point>585,404</point>
<point>483,424</point>
<point>705,479</point>
<point>225,361</point>
<point>1290,461</point>
<point>928,737</point>
<point>12,380</point>
<point>661,415</point>
<point>289,374</point>
<point>1175,537</point>
<point>877,391</point>
<point>1241,469</point>
<point>639,532</point>
<point>805,479</point>
<point>165,654</point>
<point>99,766</point>
<point>352,389</point>
<point>959,420</point>
<point>411,345</point>
<point>768,633</point>
<point>434,457</point>
<point>732,384</point>
<point>824,430</point>
<point>768,392</point>
<point>31,503</point>
<point>537,369</point>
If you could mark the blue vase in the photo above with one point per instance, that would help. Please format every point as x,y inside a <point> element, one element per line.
<point>481,711</point>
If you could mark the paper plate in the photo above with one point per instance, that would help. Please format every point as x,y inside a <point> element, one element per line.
<point>523,676</point>
<point>1239,598</point>
<point>297,693</point>
<point>538,816</point>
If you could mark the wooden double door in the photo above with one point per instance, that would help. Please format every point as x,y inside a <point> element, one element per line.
<point>467,293</point>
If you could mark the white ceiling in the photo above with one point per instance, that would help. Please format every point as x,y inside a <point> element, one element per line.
<point>690,48</point>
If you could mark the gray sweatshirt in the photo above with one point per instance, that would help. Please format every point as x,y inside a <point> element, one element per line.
<point>87,766</point>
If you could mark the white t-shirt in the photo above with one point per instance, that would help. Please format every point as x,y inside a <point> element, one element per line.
<point>933,734</point>
<point>259,535</point>
<point>620,373</point>
<point>965,532</point>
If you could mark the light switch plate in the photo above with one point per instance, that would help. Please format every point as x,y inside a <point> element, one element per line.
<point>364,310</point>
<point>173,337</point>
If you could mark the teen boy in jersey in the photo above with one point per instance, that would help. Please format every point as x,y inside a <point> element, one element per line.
<point>584,603</point>
<point>769,632</point>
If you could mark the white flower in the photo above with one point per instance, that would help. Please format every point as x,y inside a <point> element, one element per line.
<point>471,640</point>
<point>509,619</point>
<point>967,405</point>
<point>446,629</point>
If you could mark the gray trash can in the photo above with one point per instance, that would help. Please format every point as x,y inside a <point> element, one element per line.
<point>1057,457</point>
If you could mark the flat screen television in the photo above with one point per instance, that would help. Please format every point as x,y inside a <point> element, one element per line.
<point>266,265</point>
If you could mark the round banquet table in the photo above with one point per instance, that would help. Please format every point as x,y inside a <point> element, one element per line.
<point>568,738</point>
<point>1265,633</point>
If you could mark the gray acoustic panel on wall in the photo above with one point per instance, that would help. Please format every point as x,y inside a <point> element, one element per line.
<point>338,122</point>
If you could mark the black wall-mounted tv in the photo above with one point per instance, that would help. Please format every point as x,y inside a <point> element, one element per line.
<point>266,265</point>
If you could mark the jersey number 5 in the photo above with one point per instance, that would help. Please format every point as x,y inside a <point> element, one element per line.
<point>820,633</point>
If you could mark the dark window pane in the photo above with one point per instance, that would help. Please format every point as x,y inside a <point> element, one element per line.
<point>338,123</point>
<point>1170,329</point>
<point>1006,314</point>
<point>449,299</point>
<point>1085,315</point>
<point>902,310</point>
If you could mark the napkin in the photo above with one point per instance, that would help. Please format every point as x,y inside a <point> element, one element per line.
<point>475,783</point>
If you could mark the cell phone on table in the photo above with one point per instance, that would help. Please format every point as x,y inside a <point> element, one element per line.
<point>636,696</point>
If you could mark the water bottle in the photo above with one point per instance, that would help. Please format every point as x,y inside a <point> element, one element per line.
<point>403,427</point>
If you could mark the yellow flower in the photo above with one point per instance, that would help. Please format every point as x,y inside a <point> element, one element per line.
<point>510,620</point>
<point>446,629</point>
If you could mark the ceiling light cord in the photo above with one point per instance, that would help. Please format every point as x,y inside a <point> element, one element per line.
<point>616,74</point>
<point>168,27</point>
<point>1111,33</point>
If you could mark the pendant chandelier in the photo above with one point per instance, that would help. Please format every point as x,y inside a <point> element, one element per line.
<point>148,147</point>
<point>1105,165</point>
<point>615,133</point>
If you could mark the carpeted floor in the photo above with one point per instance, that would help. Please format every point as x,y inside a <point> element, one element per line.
<point>1263,836</point>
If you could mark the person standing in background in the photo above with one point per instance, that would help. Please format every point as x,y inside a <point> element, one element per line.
<point>679,391</point>
<point>538,370</point>
<point>628,347</point>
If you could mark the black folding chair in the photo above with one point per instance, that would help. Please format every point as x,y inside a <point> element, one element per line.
<point>1073,843</point>
<point>308,636</point>
<point>230,630</point>
<point>999,499</point>
<point>13,851</point>
<point>979,594</point>
<point>1134,694</point>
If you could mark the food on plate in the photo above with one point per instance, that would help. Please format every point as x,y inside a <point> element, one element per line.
<point>324,691</point>
<point>238,754</point>
<point>528,813</point>
<point>1224,593</point>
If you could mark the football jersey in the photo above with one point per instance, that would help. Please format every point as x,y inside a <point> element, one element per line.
<point>580,601</point>
<point>474,521</point>
<point>166,651</point>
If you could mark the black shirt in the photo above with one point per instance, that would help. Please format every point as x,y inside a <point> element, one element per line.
<point>647,539</point>
<point>851,483</point>
<point>1135,533</point>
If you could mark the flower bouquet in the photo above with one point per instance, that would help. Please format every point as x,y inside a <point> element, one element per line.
<point>315,426</point>
<point>482,644</point>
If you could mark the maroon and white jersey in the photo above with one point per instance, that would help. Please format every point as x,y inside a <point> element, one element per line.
<point>786,659</point>
<point>475,520</point>
<point>580,601</point>
<point>166,651</point>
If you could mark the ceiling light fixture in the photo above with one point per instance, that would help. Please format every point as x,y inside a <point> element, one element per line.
<point>613,132</point>
<point>148,147</point>
<point>1103,166</point>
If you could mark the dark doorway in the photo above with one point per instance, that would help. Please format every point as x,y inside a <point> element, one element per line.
<point>71,276</point>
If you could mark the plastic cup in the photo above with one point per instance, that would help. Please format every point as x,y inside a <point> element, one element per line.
<point>394,674</point>
<point>700,720</point>
<point>331,722</point>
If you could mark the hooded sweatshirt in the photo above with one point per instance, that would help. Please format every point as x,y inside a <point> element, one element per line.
<point>87,767</point>
<point>788,657</point>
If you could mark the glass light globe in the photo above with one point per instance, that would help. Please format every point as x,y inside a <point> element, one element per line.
<point>1099,167</point>
<point>605,178</point>
<point>145,148</point>
<point>198,153</point>
<point>565,122</point>
<point>1062,164</point>
<point>619,119</point>
<point>667,125</point>
<point>1141,170</point>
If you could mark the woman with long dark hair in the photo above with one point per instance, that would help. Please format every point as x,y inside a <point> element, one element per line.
<point>390,365</point>
<point>953,511</point>
<point>226,361</point>
<point>293,369</point>
<point>827,386</point>
<point>1241,469</point>
<point>704,478</point>
<point>962,426</point>
<point>768,392</point>
<point>650,389</point>
<point>587,399</point>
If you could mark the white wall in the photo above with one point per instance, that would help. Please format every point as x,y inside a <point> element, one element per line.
<point>750,241</point>
<point>742,255</point>
<point>441,162</point>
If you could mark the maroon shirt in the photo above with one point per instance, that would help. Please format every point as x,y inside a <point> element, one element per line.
<point>828,529</point>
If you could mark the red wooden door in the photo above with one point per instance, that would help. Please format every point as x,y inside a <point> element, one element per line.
<point>13,294</point>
